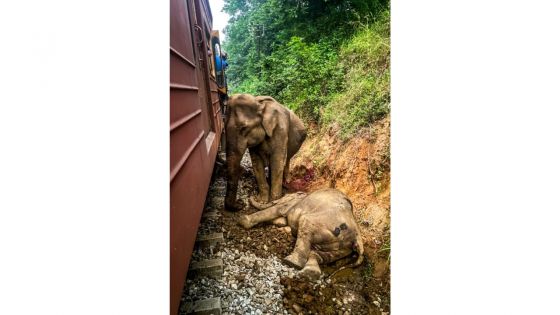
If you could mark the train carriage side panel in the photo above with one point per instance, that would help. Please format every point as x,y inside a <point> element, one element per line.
<point>195,131</point>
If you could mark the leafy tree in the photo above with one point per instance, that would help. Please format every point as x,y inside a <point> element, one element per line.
<point>306,52</point>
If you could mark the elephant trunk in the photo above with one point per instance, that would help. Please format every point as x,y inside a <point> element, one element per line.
<point>234,153</point>
<point>286,199</point>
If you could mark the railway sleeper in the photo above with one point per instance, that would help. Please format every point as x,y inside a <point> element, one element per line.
<point>212,268</point>
<point>212,239</point>
<point>210,215</point>
<point>210,306</point>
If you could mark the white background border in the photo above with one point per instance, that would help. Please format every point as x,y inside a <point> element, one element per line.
<point>84,167</point>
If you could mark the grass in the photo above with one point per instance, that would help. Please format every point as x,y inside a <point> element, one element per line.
<point>386,248</point>
<point>365,96</point>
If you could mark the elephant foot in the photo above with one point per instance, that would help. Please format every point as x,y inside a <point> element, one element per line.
<point>234,207</point>
<point>312,273</point>
<point>276,195</point>
<point>245,222</point>
<point>280,222</point>
<point>295,260</point>
<point>285,229</point>
<point>263,197</point>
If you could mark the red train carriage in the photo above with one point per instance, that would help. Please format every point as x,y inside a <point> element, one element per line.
<point>196,128</point>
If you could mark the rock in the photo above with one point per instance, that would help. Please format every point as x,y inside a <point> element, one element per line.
<point>307,298</point>
<point>296,308</point>
<point>376,303</point>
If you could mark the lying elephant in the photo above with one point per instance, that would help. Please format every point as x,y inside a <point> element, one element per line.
<point>322,222</point>
<point>271,132</point>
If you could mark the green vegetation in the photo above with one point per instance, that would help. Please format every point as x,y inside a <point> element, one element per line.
<point>367,271</point>
<point>386,247</point>
<point>328,60</point>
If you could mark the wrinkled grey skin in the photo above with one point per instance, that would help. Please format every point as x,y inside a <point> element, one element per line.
<point>271,132</point>
<point>322,222</point>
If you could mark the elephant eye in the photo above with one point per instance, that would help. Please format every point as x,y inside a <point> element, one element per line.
<point>336,231</point>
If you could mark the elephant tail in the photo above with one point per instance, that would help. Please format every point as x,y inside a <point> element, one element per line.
<point>360,249</point>
<point>358,246</point>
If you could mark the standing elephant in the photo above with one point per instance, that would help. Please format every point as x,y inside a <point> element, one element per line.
<point>323,223</point>
<point>271,132</point>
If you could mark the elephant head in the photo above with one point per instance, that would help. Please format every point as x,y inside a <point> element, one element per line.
<point>245,126</point>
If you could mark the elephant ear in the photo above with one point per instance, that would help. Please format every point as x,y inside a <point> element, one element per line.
<point>269,114</point>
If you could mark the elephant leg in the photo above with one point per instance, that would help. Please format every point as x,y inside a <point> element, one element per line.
<point>286,173</point>
<point>275,213</point>
<point>258,169</point>
<point>278,162</point>
<point>299,256</point>
<point>269,214</point>
<point>312,271</point>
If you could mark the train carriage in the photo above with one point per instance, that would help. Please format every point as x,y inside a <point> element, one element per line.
<point>196,126</point>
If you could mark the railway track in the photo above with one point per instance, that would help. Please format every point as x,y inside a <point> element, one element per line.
<point>225,276</point>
